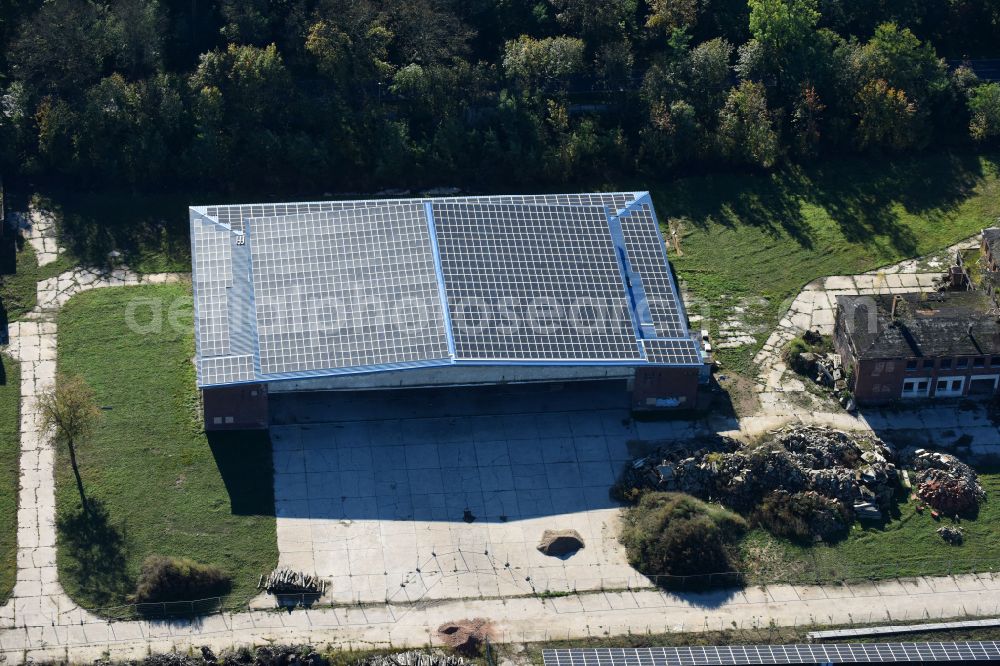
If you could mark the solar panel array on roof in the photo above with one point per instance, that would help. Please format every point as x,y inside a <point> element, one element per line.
<point>647,256</point>
<point>307,289</point>
<point>671,352</point>
<point>351,288</point>
<point>533,282</point>
<point>212,275</point>
<point>810,653</point>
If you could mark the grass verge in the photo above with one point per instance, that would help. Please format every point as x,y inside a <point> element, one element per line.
<point>21,275</point>
<point>753,241</point>
<point>10,450</point>
<point>159,485</point>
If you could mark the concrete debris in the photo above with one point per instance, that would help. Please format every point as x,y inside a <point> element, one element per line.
<point>952,535</point>
<point>850,468</point>
<point>560,542</point>
<point>268,655</point>
<point>867,511</point>
<point>286,581</point>
<point>946,483</point>
<point>412,658</point>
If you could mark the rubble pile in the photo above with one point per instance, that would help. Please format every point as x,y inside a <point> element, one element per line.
<point>952,535</point>
<point>412,658</point>
<point>825,369</point>
<point>946,483</point>
<point>856,470</point>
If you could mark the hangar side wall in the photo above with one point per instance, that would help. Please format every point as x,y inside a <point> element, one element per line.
<point>452,376</point>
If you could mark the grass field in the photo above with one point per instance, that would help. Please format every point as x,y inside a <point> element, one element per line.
<point>21,275</point>
<point>10,403</point>
<point>158,484</point>
<point>906,546</point>
<point>755,241</point>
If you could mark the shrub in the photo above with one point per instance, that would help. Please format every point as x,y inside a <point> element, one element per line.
<point>178,579</point>
<point>793,356</point>
<point>802,516</point>
<point>679,535</point>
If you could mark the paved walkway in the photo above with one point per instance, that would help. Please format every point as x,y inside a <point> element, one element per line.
<point>41,623</point>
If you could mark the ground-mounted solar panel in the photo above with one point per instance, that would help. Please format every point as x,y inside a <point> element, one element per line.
<point>682,351</point>
<point>533,282</point>
<point>810,653</point>
<point>342,289</point>
<point>212,275</point>
<point>645,250</point>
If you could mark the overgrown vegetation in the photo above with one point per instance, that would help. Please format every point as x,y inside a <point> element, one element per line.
<point>155,484</point>
<point>10,449</point>
<point>179,579</point>
<point>346,94</point>
<point>794,516</point>
<point>672,534</point>
<point>805,344</point>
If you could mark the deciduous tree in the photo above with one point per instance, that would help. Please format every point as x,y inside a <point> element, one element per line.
<point>69,411</point>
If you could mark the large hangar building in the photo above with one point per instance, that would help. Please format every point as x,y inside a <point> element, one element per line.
<point>460,291</point>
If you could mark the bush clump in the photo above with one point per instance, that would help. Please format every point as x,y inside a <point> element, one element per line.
<point>179,579</point>
<point>678,535</point>
<point>802,516</point>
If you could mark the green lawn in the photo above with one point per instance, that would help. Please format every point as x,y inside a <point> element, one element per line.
<point>19,282</point>
<point>757,240</point>
<point>905,546</point>
<point>159,484</point>
<point>10,403</point>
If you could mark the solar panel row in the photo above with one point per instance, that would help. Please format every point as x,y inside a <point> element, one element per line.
<point>774,654</point>
<point>212,275</point>
<point>671,352</point>
<point>644,247</point>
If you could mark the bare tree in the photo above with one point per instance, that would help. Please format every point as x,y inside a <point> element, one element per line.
<point>69,410</point>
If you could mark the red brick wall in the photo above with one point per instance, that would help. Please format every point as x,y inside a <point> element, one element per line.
<point>664,388</point>
<point>882,381</point>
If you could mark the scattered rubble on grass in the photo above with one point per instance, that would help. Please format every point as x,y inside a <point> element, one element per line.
<point>952,535</point>
<point>560,542</point>
<point>853,469</point>
<point>946,483</point>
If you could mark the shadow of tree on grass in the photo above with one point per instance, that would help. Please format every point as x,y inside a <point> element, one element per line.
<point>96,554</point>
<point>862,196</point>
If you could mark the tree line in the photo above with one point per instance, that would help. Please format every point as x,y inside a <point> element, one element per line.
<point>294,95</point>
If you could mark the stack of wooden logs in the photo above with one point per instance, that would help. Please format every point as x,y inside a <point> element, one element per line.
<point>286,581</point>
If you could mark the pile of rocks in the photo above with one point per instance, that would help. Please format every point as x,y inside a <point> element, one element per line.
<point>952,535</point>
<point>855,470</point>
<point>946,483</point>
